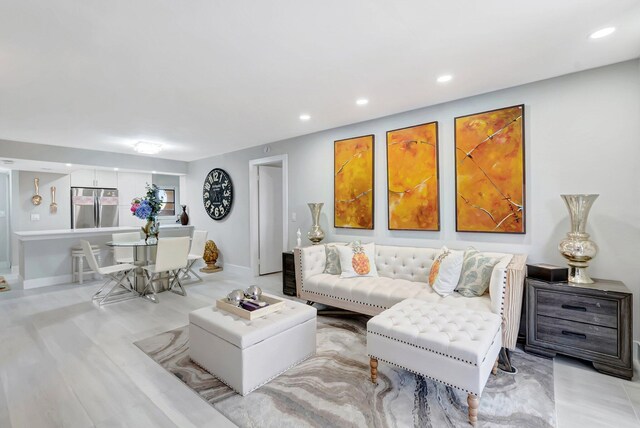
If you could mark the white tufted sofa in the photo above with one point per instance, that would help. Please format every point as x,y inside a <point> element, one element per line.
<point>403,273</point>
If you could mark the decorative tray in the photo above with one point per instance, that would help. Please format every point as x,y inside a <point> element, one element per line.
<point>274,306</point>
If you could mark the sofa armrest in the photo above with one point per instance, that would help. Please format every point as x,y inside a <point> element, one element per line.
<point>309,261</point>
<point>516,272</point>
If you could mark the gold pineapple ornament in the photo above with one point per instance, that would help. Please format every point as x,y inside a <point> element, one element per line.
<point>360,261</point>
<point>210,257</point>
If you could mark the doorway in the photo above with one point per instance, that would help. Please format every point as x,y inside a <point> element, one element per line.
<point>5,242</point>
<point>268,228</point>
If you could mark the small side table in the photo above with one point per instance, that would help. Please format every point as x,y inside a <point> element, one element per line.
<point>588,321</point>
<point>288,274</point>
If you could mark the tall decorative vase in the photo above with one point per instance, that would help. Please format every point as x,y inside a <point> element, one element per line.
<point>151,229</point>
<point>184,217</point>
<point>316,234</point>
<point>577,248</point>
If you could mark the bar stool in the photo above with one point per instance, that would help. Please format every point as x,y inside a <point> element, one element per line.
<point>77,262</point>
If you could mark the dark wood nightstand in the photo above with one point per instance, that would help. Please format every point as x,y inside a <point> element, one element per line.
<point>588,321</point>
<point>288,274</point>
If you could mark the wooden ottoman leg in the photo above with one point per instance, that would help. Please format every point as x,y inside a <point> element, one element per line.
<point>473,401</point>
<point>495,368</point>
<point>374,369</point>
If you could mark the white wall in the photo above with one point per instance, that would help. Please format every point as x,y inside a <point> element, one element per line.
<point>48,221</point>
<point>581,132</point>
<point>4,220</point>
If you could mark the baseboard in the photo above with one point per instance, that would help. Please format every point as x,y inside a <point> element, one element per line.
<point>243,271</point>
<point>46,281</point>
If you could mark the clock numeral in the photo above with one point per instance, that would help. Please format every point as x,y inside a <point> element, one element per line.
<point>216,175</point>
<point>210,179</point>
<point>221,210</point>
<point>207,204</point>
<point>226,193</point>
<point>225,202</point>
<point>216,212</point>
<point>207,186</point>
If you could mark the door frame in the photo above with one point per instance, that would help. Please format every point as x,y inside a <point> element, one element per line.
<point>254,236</point>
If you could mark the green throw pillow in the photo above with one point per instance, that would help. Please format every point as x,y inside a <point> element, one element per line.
<point>476,273</point>
<point>333,260</point>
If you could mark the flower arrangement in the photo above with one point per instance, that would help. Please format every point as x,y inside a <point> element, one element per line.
<point>147,207</point>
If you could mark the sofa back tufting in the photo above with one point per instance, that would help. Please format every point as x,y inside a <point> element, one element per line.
<point>408,263</point>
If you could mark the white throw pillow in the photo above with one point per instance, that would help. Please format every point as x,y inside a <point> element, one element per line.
<point>357,260</point>
<point>445,271</point>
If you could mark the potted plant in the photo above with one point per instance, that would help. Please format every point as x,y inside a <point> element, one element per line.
<point>147,208</point>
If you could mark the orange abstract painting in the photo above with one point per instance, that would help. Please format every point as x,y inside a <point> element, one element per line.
<point>490,171</point>
<point>412,178</point>
<point>353,183</point>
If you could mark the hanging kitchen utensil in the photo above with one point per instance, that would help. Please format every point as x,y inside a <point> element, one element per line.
<point>53,207</point>
<point>36,199</point>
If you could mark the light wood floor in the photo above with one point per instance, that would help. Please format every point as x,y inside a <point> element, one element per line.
<point>66,363</point>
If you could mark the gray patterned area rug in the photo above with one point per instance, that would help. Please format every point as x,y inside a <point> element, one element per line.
<point>332,389</point>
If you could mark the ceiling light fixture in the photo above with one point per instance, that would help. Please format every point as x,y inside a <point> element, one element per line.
<point>362,101</point>
<point>444,78</point>
<point>68,164</point>
<point>147,148</point>
<point>603,32</point>
<point>154,172</point>
<point>305,117</point>
<point>115,169</point>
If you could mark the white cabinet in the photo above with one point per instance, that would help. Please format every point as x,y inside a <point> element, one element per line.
<point>94,178</point>
<point>107,179</point>
<point>83,178</point>
<point>132,185</point>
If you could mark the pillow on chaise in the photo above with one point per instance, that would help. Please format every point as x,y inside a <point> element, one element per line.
<point>356,260</point>
<point>445,271</point>
<point>476,273</point>
<point>332,266</point>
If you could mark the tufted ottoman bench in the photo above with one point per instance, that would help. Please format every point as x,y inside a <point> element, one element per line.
<point>246,354</point>
<point>458,347</point>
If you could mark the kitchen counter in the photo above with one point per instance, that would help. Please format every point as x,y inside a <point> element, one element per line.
<point>45,255</point>
<point>38,235</point>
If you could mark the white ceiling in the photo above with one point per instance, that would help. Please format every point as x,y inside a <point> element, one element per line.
<point>205,77</point>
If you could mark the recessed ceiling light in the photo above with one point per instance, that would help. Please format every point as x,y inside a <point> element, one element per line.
<point>305,117</point>
<point>362,101</point>
<point>444,78</point>
<point>603,32</point>
<point>115,169</point>
<point>153,172</point>
<point>147,148</point>
<point>68,164</point>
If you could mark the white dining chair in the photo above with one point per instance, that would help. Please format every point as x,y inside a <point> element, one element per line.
<point>116,274</point>
<point>171,257</point>
<point>124,254</point>
<point>196,253</point>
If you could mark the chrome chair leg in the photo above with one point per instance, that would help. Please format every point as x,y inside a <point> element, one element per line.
<point>115,290</point>
<point>186,272</point>
<point>149,278</point>
<point>176,281</point>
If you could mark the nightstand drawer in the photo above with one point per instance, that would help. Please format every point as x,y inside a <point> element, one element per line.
<point>585,309</point>
<point>571,334</point>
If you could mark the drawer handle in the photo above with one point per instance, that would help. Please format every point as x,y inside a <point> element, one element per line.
<point>572,334</point>
<point>574,308</point>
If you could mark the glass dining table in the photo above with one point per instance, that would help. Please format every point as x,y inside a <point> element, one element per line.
<point>143,252</point>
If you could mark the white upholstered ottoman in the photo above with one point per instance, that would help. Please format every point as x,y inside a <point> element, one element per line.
<point>458,347</point>
<point>246,354</point>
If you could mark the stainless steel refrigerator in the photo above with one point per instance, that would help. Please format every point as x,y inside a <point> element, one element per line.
<point>92,208</point>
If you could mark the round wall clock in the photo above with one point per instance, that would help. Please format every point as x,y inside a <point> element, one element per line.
<point>217,194</point>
